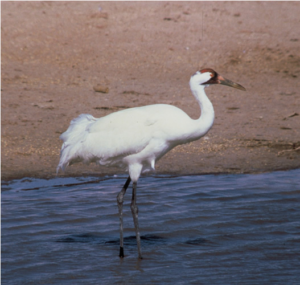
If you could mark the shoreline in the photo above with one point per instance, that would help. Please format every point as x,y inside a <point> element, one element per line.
<point>171,174</point>
<point>193,161</point>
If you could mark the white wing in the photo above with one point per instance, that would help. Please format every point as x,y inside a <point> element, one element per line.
<point>109,139</point>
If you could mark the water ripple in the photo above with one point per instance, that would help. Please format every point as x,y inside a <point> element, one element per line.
<point>219,229</point>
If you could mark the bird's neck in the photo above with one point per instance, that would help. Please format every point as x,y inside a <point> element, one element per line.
<point>206,119</point>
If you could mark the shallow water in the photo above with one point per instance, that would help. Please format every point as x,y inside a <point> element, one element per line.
<point>207,229</point>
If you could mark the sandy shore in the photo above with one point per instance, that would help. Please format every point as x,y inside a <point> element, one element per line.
<point>54,53</point>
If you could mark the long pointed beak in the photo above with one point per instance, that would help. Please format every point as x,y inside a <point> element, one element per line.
<point>227,82</point>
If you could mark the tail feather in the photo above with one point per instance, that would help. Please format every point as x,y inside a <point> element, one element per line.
<point>72,138</point>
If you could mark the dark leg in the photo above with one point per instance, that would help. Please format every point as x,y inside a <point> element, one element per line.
<point>120,199</point>
<point>134,211</point>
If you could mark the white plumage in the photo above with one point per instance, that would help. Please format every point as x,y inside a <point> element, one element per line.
<point>136,138</point>
<point>137,135</point>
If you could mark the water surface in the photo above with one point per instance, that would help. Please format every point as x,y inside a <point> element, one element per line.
<point>206,229</point>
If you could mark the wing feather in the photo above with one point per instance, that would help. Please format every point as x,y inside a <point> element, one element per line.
<point>108,140</point>
<point>105,140</point>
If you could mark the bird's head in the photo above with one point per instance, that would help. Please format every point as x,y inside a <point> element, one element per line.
<point>208,76</point>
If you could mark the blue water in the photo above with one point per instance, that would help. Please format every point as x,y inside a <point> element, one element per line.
<point>205,229</point>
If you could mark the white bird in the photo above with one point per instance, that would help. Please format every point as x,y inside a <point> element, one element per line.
<point>136,138</point>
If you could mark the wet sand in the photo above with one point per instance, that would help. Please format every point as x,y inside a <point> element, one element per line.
<point>54,53</point>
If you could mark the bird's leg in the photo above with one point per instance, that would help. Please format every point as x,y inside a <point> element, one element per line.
<point>134,211</point>
<point>120,199</point>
